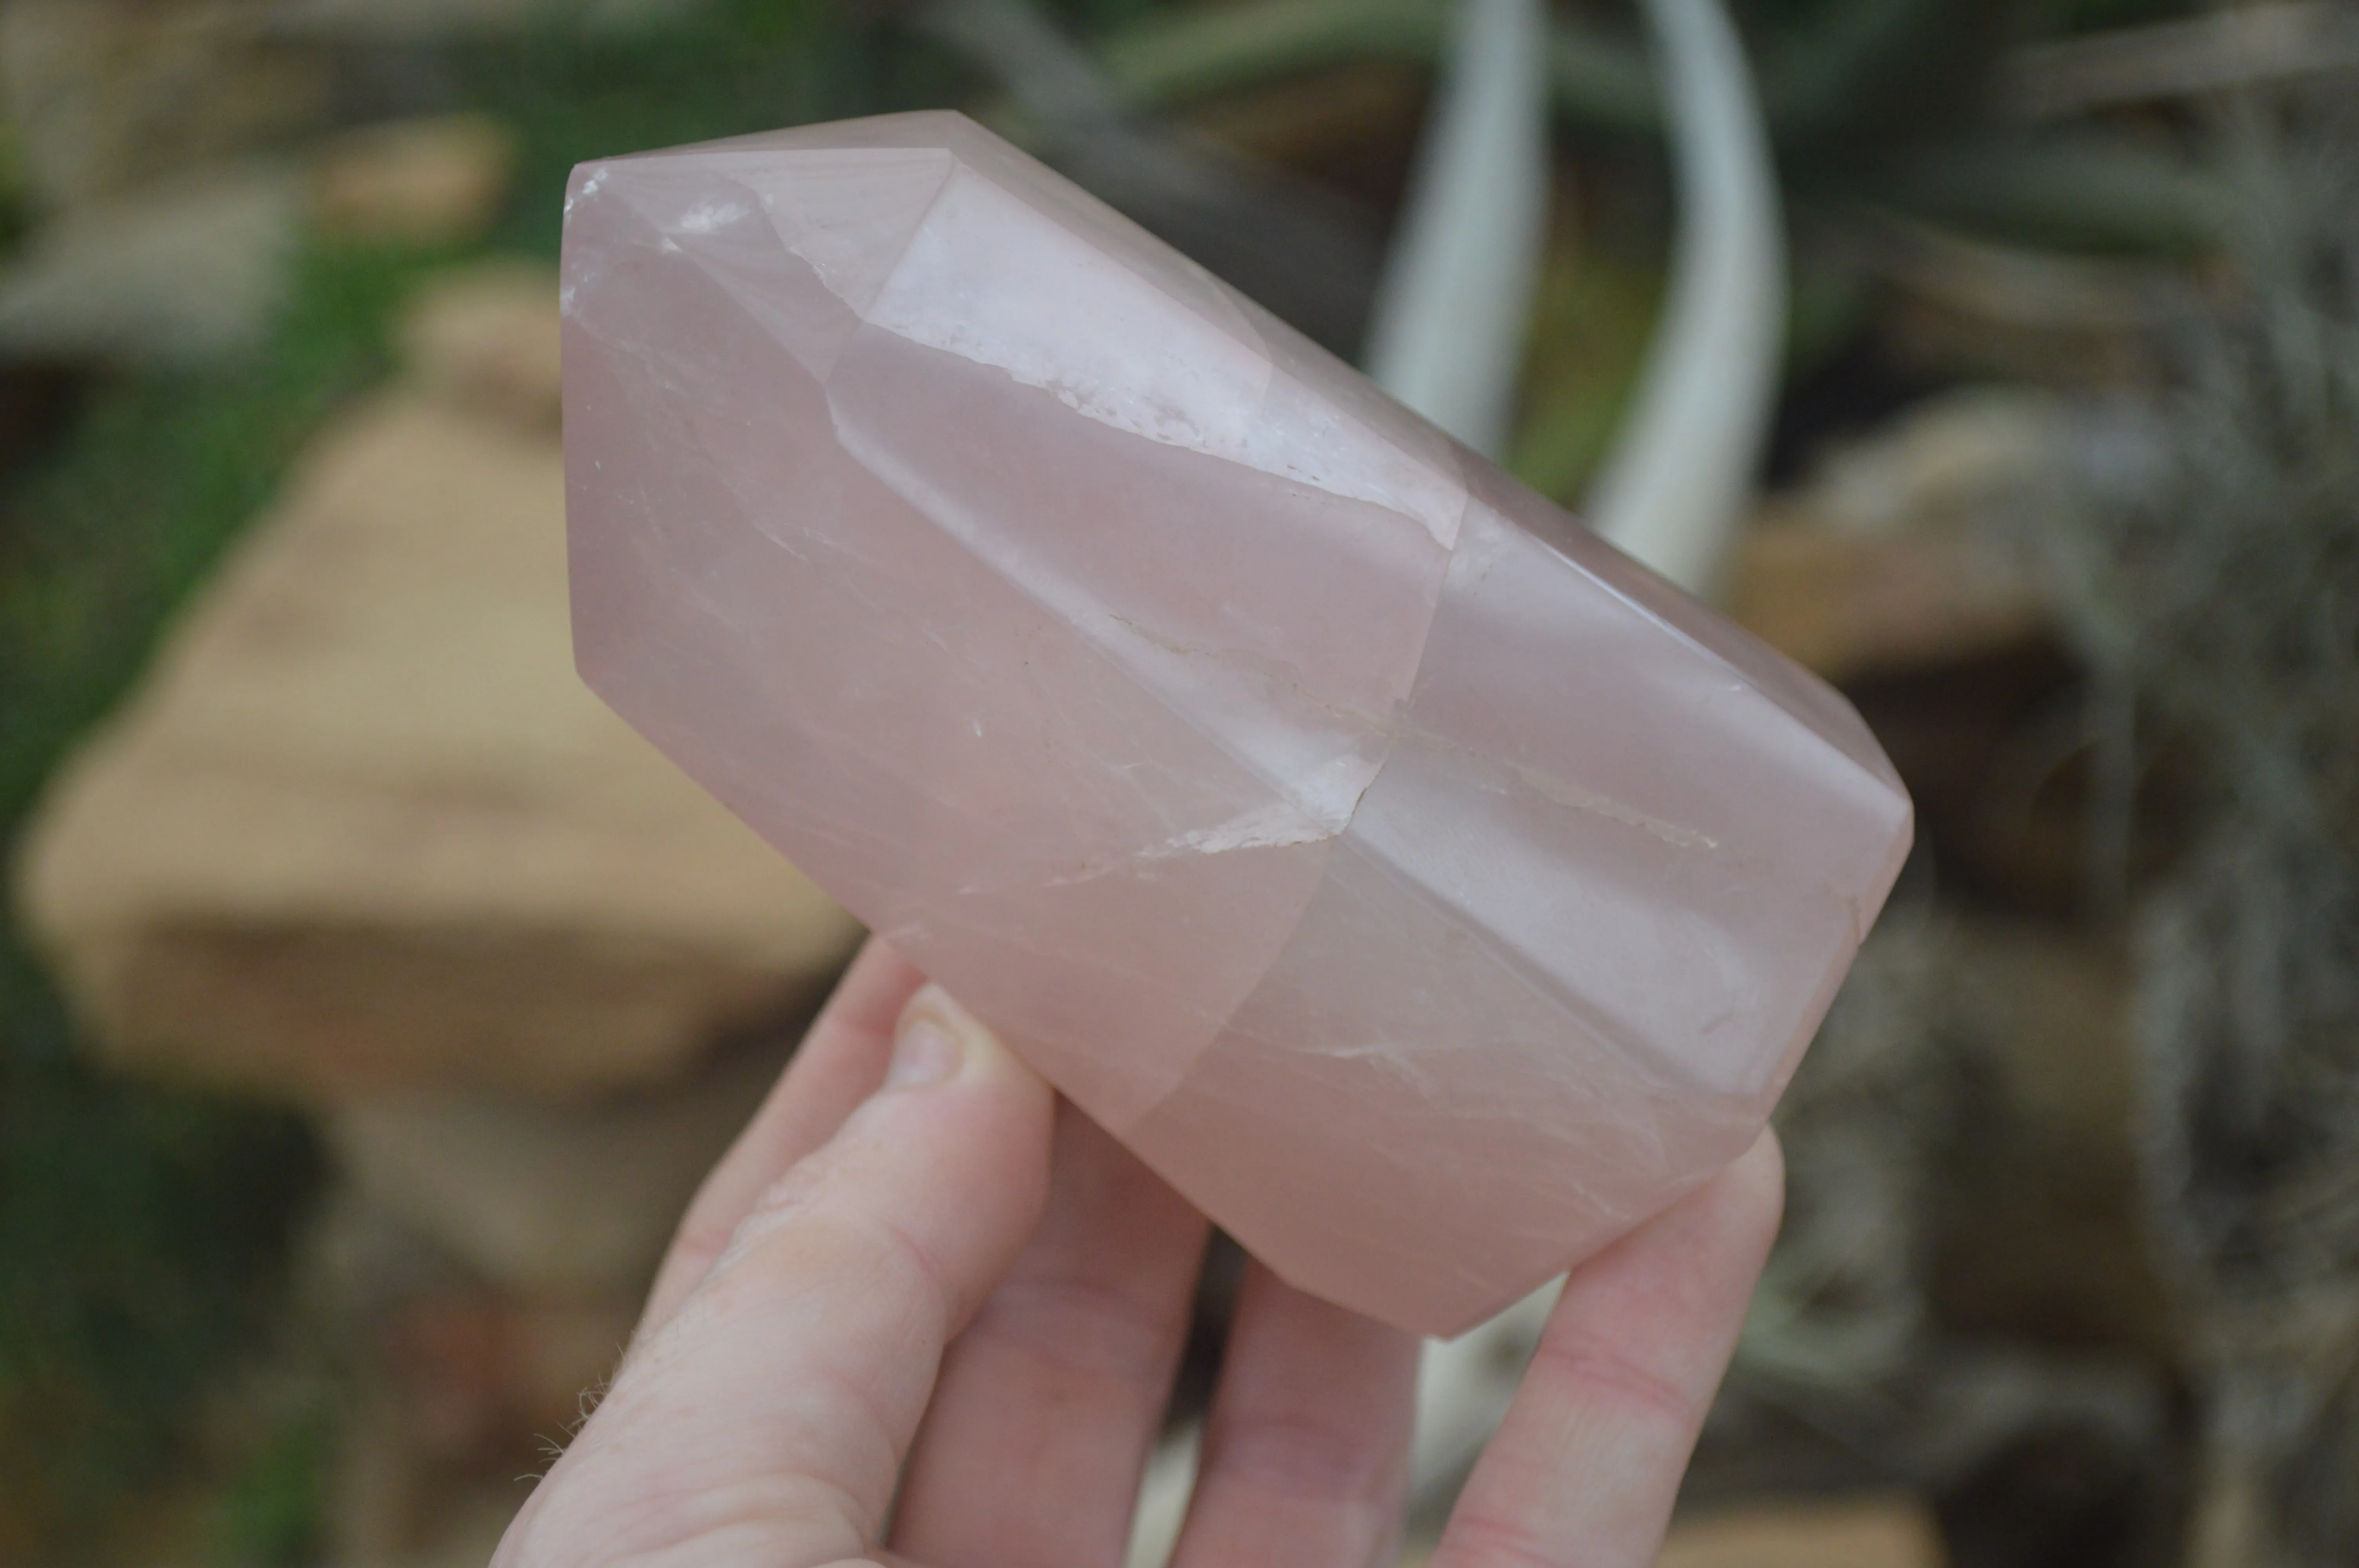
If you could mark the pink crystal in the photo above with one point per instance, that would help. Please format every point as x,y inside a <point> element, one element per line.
<point>1426,891</point>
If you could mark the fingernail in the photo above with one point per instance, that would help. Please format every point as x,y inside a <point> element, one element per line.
<point>928,1045</point>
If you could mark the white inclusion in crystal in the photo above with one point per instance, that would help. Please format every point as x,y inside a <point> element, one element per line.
<point>1564,794</point>
<point>1272,827</point>
<point>711,217</point>
<point>589,189</point>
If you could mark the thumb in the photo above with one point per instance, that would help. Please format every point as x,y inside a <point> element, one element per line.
<point>767,1420</point>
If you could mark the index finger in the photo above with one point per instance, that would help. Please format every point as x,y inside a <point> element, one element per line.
<point>768,1420</point>
<point>1588,1462</point>
<point>838,1066</point>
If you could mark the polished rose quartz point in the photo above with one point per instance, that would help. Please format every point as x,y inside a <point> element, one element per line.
<point>1424,890</point>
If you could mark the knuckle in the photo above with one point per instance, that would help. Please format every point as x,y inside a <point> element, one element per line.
<point>1301,1457</point>
<point>1488,1540</point>
<point>1578,1372</point>
<point>1079,1325</point>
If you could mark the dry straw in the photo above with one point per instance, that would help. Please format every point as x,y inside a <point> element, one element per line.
<point>2214,582</point>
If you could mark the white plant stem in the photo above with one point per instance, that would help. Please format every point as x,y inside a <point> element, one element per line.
<point>1455,300</point>
<point>1675,486</point>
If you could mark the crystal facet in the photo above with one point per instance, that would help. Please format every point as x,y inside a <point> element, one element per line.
<point>1424,890</point>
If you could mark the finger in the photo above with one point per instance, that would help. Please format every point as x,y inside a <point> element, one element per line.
<point>1588,1462</point>
<point>1306,1452</point>
<point>839,1063</point>
<point>767,1420</point>
<point>1031,1455</point>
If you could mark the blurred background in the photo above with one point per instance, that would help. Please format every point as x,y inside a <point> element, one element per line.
<point>371,1001</point>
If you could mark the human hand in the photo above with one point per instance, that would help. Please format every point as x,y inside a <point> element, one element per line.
<point>923,1312</point>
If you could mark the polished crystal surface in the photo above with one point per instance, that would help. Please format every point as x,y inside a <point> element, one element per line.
<point>1426,891</point>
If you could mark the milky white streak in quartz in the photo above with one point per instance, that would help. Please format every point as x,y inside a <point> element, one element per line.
<point>1427,892</point>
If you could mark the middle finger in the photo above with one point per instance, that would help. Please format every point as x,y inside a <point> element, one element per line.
<point>1031,1453</point>
<point>1306,1453</point>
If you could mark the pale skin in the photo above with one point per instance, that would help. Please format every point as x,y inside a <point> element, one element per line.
<point>925,1314</point>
